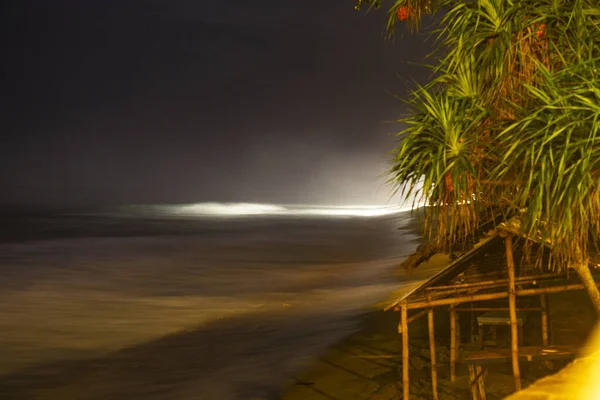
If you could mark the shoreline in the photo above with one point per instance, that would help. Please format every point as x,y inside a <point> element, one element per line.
<point>367,365</point>
<point>165,318</point>
<point>337,346</point>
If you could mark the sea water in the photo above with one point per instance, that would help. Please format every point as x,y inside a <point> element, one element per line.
<point>163,302</point>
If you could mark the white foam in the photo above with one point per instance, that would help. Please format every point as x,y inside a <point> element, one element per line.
<point>250,209</point>
<point>230,209</point>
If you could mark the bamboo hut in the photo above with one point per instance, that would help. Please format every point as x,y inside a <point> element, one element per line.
<point>495,269</point>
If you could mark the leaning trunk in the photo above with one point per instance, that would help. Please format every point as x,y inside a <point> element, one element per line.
<point>583,270</point>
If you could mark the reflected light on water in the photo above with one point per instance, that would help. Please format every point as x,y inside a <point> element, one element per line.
<point>250,209</point>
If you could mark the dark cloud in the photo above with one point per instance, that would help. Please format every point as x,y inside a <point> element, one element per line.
<point>193,100</point>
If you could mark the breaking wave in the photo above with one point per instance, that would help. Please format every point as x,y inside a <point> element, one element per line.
<point>253,209</point>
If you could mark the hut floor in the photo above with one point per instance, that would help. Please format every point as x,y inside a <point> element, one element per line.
<point>367,365</point>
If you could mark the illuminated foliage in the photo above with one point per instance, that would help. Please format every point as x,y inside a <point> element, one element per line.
<point>511,119</point>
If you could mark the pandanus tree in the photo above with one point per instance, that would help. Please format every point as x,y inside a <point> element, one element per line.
<point>510,120</point>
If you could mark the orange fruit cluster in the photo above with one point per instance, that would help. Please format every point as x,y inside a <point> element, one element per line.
<point>402,13</point>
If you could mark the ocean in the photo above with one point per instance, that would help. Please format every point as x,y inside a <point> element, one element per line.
<point>210,301</point>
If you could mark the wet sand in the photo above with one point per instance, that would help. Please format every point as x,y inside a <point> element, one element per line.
<point>184,365</point>
<point>368,366</point>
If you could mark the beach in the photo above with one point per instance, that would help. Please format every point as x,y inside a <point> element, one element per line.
<point>161,307</point>
<point>368,366</point>
<point>368,363</point>
<point>123,307</point>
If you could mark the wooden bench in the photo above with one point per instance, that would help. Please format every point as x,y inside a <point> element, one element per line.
<point>495,319</point>
<point>477,360</point>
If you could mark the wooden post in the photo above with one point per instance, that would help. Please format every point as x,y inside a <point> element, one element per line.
<point>512,305</point>
<point>457,347</point>
<point>473,323</point>
<point>404,323</point>
<point>480,337</point>
<point>473,382</point>
<point>480,383</point>
<point>432,355</point>
<point>452,343</point>
<point>544,305</point>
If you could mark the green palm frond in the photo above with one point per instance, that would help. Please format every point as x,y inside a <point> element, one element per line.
<point>438,158</point>
<point>559,148</point>
<point>512,112</point>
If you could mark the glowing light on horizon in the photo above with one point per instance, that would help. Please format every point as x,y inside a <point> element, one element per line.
<point>254,209</point>
<point>231,209</point>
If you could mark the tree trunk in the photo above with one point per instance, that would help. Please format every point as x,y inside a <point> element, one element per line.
<point>583,270</point>
<point>512,305</point>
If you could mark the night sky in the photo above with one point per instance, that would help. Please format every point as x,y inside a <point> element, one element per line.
<point>172,101</point>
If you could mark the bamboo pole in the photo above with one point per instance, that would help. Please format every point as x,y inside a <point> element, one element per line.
<point>551,289</point>
<point>457,347</point>
<point>499,284</point>
<point>458,300</point>
<point>458,309</point>
<point>411,319</point>
<point>489,285</point>
<point>479,373</point>
<point>405,379</point>
<point>432,354</point>
<point>480,335</point>
<point>581,265</point>
<point>544,308</point>
<point>473,382</point>
<point>512,304</point>
<point>495,296</point>
<point>472,322</point>
<point>493,282</point>
<point>452,343</point>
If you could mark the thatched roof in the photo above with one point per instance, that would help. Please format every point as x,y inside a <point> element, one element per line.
<point>513,227</point>
<point>429,268</point>
<point>437,268</point>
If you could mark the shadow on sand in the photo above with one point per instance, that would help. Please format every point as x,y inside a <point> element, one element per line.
<point>237,358</point>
